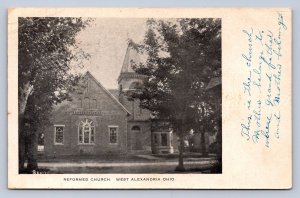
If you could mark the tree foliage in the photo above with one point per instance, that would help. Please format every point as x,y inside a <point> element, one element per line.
<point>182,57</point>
<point>46,48</point>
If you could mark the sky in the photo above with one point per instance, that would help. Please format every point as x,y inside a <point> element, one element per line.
<point>106,42</point>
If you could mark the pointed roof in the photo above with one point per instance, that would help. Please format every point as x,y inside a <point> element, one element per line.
<point>107,92</point>
<point>130,56</point>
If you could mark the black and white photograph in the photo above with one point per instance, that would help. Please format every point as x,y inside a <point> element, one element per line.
<point>149,98</point>
<point>119,95</point>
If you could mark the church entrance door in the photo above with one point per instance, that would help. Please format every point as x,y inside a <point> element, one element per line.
<point>137,138</point>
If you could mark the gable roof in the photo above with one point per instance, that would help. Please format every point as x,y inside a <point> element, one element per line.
<point>114,92</point>
<point>107,92</point>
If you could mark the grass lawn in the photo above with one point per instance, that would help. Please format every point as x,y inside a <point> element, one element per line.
<point>131,163</point>
<point>161,169</point>
<point>125,158</point>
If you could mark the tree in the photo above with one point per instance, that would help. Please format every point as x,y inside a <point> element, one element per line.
<point>182,56</point>
<point>45,50</point>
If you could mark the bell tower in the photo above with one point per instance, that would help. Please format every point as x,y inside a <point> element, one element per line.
<point>128,78</point>
<point>139,124</point>
<point>128,81</point>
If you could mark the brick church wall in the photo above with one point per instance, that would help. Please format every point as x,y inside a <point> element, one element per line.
<point>71,113</point>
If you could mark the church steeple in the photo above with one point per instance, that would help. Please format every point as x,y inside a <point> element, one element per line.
<point>129,81</point>
<point>131,56</point>
<point>128,78</point>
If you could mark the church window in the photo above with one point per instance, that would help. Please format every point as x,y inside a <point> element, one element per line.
<point>86,103</point>
<point>164,139</point>
<point>80,103</point>
<point>87,86</point>
<point>155,139</point>
<point>86,132</point>
<point>135,128</point>
<point>94,104</point>
<point>135,85</point>
<point>59,134</point>
<point>113,134</point>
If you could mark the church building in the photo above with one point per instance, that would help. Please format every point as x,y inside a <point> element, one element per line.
<point>101,121</point>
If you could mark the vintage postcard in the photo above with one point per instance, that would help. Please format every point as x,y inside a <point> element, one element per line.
<point>185,98</point>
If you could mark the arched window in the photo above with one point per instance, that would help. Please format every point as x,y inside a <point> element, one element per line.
<point>136,128</point>
<point>80,103</point>
<point>87,86</point>
<point>135,85</point>
<point>86,103</point>
<point>86,132</point>
<point>94,104</point>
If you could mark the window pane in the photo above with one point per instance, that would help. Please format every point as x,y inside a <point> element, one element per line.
<point>80,103</point>
<point>94,104</point>
<point>92,134</point>
<point>80,135</point>
<point>155,139</point>
<point>59,134</point>
<point>113,138</point>
<point>86,132</point>
<point>113,135</point>
<point>136,128</point>
<point>86,137</point>
<point>86,103</point>
<point>164,139</point>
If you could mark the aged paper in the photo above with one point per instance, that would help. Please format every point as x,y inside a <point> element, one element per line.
<point>99,140</point>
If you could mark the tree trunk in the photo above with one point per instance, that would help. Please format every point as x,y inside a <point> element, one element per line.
<point>180,166</point>
<point>203,129</point>
<point>219,150</point>
<point>21,144</point>
<point>32,151</point>
<point>24,93</point>
<point>203,145</point>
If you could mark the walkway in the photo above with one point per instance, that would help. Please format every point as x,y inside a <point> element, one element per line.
<point>119,164</point>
